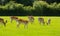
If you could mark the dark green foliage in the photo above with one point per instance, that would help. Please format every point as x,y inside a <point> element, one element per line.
<point>25,2</point>
<point>3,2</point>
<point>39,8</point>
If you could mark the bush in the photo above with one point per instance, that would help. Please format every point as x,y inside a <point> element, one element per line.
<point>39,7</point>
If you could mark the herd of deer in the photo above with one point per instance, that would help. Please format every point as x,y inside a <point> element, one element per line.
<point>25,22</point>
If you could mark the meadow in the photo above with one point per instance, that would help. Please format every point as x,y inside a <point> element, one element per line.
<point>34,29</point>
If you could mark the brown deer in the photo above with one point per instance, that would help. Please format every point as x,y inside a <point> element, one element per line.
<point>41,20</point>
<point>13,18</point>
<point>2,21</point>
<point>25,22</point>
<point>31,19</point>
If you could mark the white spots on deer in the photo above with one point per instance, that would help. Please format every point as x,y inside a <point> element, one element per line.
<point>41,20</point>
<point>31,19</point>
<point>13,18</point>
<point>19,21</point>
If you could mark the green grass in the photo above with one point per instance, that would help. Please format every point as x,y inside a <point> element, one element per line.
<point>34,29</point>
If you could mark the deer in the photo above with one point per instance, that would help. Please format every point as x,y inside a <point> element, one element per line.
<point>48,21</point>
<point>41,20</point>
<point>13,18</point>
<point>2,21</point>
<point>31,19</point>
<point>19,21</point>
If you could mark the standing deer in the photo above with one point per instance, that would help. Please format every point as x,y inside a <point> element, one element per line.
<point>2,21</point>
<point>22,21</point>
<point>48,22</point>
<point>41,20</point>
<point>13,18</point>
<point>31,19</point>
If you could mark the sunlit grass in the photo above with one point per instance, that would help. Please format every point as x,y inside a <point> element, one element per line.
<point>34,29</point>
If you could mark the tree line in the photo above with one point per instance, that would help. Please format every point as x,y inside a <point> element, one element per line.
<point>38,8</point>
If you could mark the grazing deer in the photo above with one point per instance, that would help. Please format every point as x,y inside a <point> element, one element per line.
<point>48,22</point>
<point>31,19</point>
<point>2,21</point>
<point>41,20</point>
<point>13,18</point>
<point>22,21</point>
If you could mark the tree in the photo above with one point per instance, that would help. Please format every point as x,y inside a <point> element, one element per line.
<point>25,2</point>
<point>39,7</point>
<point>3,2</point>
<point>52,1</point>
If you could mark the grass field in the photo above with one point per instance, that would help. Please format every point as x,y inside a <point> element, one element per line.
<point>34,29</point>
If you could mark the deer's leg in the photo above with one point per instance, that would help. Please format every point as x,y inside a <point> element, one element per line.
<point>43,23</point>
<point>31,22</point>
<point>40,22</point>
<point>25,25</point>
<point>48,22</point>
<point>18,23</point>
<point>11,20</point>
<point>4,23</point>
